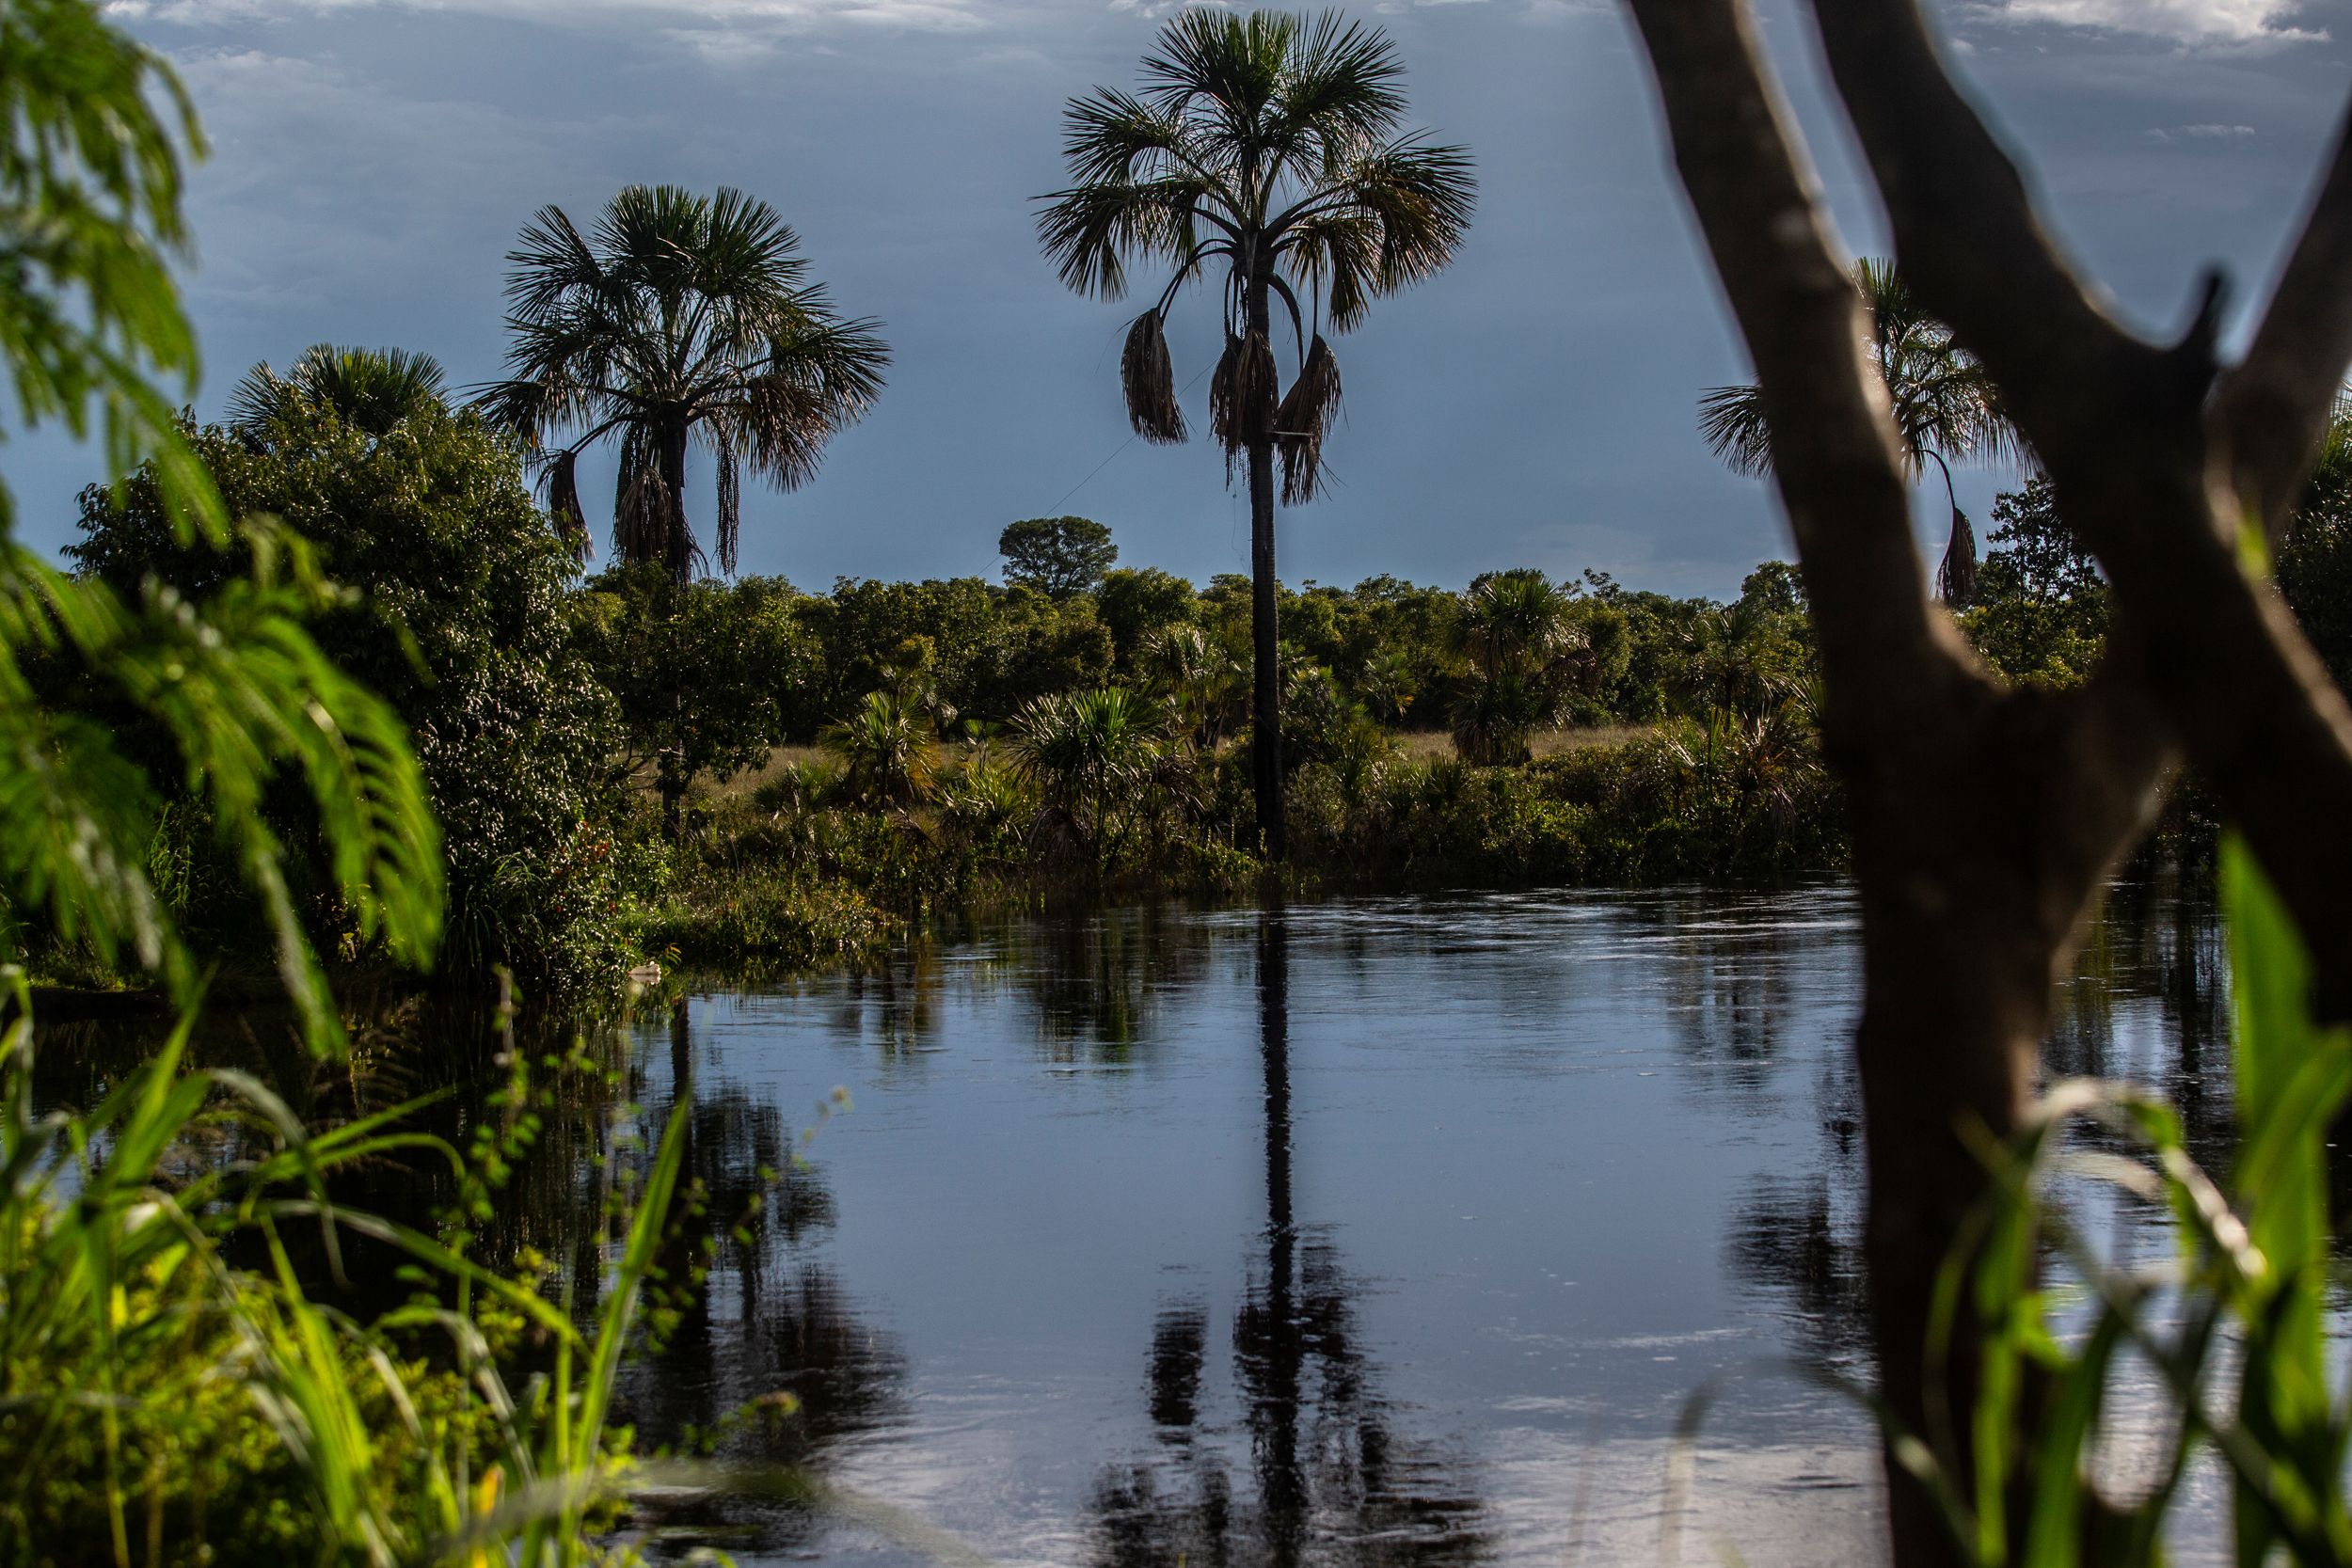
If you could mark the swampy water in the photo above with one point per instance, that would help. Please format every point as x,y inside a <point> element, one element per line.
<point>1391,1231</point>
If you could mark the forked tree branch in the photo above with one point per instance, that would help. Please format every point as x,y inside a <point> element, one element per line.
<point>2129,433</point>
<point>1835,454</point>
<point>2276,405</point>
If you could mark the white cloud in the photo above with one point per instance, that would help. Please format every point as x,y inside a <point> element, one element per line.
<point>2203,133</point>
<point>2198,23</point>
<point>686,17</point>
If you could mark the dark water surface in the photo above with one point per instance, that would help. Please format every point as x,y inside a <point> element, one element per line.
<point>1385,1231</point>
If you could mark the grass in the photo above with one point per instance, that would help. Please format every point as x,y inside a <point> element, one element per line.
<point>1430,745</point>
<point>165,1405</point>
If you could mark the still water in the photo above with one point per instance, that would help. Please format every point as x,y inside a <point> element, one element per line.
<point>1392,1230</point>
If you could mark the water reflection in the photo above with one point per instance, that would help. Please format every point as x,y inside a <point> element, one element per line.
<point>764,1355</point>
<point>1332,1478</point>
<point>1377,1231</point>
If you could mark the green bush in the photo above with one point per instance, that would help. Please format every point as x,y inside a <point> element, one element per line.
<point>768,915</point>
<point>462,621</point>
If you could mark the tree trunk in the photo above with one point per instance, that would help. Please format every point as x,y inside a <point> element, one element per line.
<point>680,556</point>
<point>1265,741</point>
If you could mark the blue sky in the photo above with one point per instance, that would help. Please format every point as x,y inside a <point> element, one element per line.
<point>373,159</point>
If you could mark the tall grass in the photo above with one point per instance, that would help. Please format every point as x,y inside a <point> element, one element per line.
<point>2229,1325</point>
<point>159,1403</point>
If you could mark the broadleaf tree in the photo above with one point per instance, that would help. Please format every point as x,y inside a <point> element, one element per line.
<point>90,175</point>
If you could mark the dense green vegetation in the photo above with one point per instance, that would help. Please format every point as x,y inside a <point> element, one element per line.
<point>719,770</point>
<point>168,1385</point>
<point>327,689</point>
<point>631,765</point>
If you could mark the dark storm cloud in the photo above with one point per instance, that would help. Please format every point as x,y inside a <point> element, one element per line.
<point>1532,405</point>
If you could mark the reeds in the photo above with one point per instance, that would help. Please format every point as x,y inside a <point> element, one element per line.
<point>160,1400</point>
<point>2228,1322</point>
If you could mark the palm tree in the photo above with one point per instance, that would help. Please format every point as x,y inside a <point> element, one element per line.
<point>1266,147</point>
<point>678,317</point>
<point>885,750</point>
<point>1524,652</point>
<point>1092,755</point>
<point>371,389</point>
<point>1946,407</point>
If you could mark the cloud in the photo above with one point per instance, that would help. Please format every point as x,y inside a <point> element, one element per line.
<point>683,16</point>
<point>2203,133</point>
<point>2193,23</point>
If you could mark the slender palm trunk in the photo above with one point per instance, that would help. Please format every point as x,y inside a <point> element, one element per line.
<point>680,556</point>
<point>1265,746</point>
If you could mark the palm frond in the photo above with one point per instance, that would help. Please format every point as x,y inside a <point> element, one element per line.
<point>1148,378</point>
<point>551,261</point>
<point>642,521</point>
<point>562,479</point>
<point>1090,231</point>
<point>1114,137</point>
<point>1303,419</point>
<point>1342,89</point>
<point>1731,419</point>
<point>1234,63</point>
<point>1242,393</point>
<point>1423,197</point>
<point>730,509</point>
<point>1956,578</point>
<point>1337,254</point>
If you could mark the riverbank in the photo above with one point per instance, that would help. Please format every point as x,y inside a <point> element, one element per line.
<point>807,869</point>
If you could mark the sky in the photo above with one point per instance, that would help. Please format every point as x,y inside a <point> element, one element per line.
<point>1533,406</point>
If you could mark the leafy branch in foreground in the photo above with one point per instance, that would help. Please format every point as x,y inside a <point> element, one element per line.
<point>89,193</point>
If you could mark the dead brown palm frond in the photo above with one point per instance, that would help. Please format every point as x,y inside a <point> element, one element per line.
<point>1147,376</point>
<point>644,520</point>
<point>562,479</point>
<point>1302,420</point>
<point>1242,393</point>
<point>730,508</point>
<point>1956,579</point>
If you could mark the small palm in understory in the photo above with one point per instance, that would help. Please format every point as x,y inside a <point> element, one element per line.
<point>884,747</point>
<point>1199,679</point>
<point>1092,756</point>
<point>1524,655</point>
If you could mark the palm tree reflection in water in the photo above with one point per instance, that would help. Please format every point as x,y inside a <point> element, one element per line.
<point>1334,1483</point>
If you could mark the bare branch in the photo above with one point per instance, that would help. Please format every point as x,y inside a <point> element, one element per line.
<point>2123,428</point>
<point>1835,453</point>
<point>2276,405</point>
<point>1964,226</point>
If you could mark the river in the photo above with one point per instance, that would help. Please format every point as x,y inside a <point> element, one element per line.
<point>1384,1230</point>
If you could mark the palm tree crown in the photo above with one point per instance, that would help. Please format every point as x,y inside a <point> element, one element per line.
<point>1269,150</point>
<point>1271,144</point>
<point>1945,407</point>
<point>370,389</point>
<point>678,317</point>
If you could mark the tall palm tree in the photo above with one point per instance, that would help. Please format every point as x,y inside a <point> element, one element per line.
<point>371,389</point>
<point>1946,408</point>
<point>1267,148</point>
<point>678,317</point>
